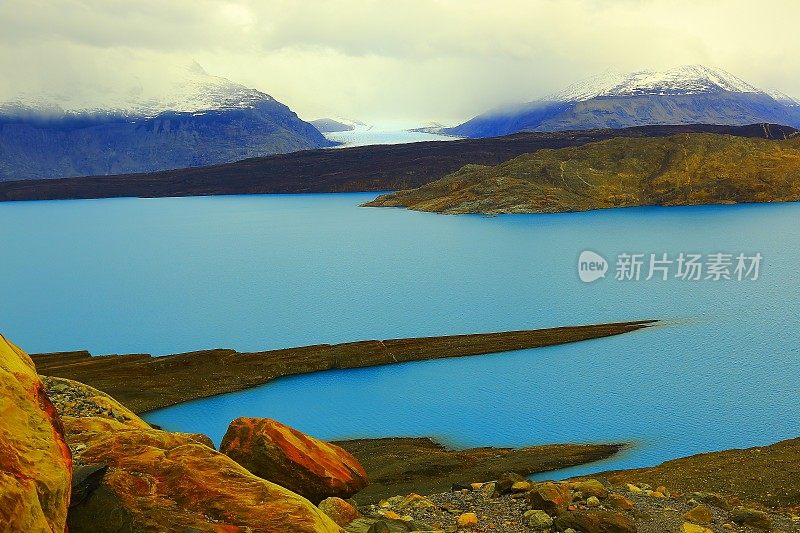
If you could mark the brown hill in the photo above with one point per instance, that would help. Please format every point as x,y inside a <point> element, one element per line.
<point>684,169</point>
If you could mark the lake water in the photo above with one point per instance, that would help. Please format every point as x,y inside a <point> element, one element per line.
<point>260,272</point>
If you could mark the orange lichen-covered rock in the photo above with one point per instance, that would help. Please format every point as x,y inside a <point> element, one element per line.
<point>92,430</point>
<point>550,497</point>
<point>292,459</point>
<point>161,481</point>
<point>35,462</point>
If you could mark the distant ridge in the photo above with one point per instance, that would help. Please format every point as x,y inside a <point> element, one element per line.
<point>692,94</point>
<point>337,124</point>
<point>363,168</point>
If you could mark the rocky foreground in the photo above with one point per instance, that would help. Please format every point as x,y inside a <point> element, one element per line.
<point>685,169</point>
<point>594,505</point>
<point>74,457</point>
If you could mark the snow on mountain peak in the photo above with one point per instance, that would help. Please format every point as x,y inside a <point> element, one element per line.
<point>783,98</point>
<point>688,79</point>
<point>185,90</point>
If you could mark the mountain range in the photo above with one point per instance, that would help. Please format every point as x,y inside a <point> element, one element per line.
<point>349,169</point>
<point>691,94</point>
<point>198,119</point>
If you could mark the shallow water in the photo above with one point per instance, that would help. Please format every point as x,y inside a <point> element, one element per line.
<point>260,272</point>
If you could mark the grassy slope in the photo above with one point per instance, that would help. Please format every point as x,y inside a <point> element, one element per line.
<point>682,169</point>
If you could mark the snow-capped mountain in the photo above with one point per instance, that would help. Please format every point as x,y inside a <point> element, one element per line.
<point>692,94</point>
<point>188,90</point>
<point>689,79</point>
<point>190,119</point>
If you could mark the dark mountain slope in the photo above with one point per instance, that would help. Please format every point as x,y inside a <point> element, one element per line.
<point>76,146</point>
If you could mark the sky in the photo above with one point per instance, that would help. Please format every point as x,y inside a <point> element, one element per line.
<point>409,61</point>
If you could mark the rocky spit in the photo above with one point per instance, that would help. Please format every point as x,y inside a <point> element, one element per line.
<point>143,382</point>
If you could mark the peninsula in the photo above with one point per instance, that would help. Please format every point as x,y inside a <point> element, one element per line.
<point>684,169</point>
<point>144,382</point>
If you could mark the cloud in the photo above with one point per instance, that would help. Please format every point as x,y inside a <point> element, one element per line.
<point>411,60</point>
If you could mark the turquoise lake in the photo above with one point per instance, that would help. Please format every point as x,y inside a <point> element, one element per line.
<point>259,272</point>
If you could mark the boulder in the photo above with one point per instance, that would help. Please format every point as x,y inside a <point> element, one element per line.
<point>751,517</point>
<point>712,498</point>
<point>619,502</point>
<point>504,483</point>
<point>699,515</point>
<point>489,489</point>
<point>521,486</point>
<point>633,488</point>
<point>339,510</point>
<point>550,498</point>
<point>161,481</point>
<point>379,527</point>
<point>537,520</point>
<point>82,431</point>
<point>416,501</point>
<point>595,522</point>
<point>35,462</point>
<point>688,527</point>
<point>294,460</point>
<point>384,525</point>
<point>467,521</point>
<point>592,487</point>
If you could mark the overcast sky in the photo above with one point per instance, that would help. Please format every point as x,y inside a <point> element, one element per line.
<point>391,61</point>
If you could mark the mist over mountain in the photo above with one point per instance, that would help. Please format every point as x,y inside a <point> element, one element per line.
<point>691,94</point>
<point>195,119</point>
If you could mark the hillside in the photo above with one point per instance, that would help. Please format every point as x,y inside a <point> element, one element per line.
<point>363,168</point>
<point>683,169</point>
<point>332,125</point>
<point>200,120</point>
<point>691,94</point>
